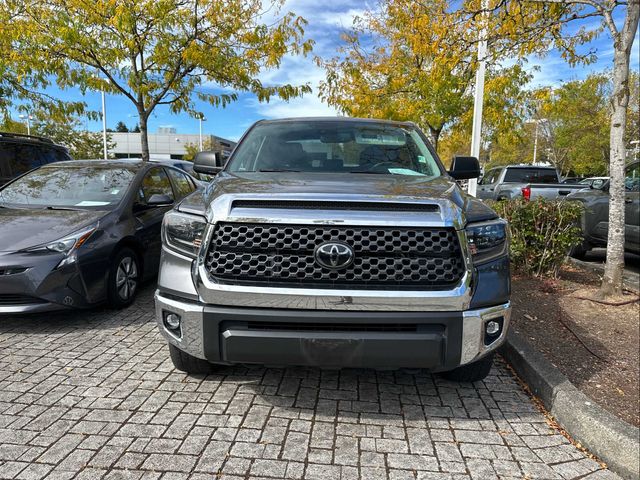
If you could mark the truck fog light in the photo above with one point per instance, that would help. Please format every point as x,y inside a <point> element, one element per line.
<point>172,321</point>
<point>492,327</point>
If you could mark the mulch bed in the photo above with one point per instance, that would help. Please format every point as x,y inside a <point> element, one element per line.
<point>596,346</point>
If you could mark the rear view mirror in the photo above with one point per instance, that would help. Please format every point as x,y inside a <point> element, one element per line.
<point>208,163</point>
<point>463,168</point>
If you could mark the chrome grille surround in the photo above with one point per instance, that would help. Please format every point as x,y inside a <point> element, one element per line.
<point>267,254</point>
<point>448,215</point>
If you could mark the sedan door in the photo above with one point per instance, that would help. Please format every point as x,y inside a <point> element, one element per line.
<point>149,217</point>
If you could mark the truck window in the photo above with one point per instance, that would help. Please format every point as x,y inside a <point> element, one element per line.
<point>530,175</point>
<point>335,147</point>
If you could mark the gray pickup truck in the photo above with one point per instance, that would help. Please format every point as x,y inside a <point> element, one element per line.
<point>523,181</point>
<point>335,243</point>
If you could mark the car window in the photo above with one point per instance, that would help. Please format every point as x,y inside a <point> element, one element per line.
<point>491,176</point>
<point>181,182</point>
<point>632,178</point>
<point>154,182</point>
<point>69,186</point>
<point>25,157</point>
<point>335,147</point>
<point>531,175</point>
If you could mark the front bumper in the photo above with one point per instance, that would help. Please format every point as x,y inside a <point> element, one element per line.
<point>39,286</point>
<point>437,340</point>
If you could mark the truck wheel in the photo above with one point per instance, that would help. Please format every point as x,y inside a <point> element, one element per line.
<point>188,363</point>
<point>473,372</point>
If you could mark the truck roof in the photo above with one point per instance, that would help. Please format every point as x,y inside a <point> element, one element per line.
<point>337,118</point>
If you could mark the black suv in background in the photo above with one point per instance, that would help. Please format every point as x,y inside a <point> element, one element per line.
<point>21,153</point>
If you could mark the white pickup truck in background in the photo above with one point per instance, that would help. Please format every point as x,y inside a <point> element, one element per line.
<point>527,181</point>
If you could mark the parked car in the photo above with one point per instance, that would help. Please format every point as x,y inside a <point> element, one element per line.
<point>523,181</point>
<point>334,242</point>
<point>21,153</point>
<point>572,180</point>
<point>186,166</point>
<point>74,234</point>
<point>594,182</point>
<point>595,219</point>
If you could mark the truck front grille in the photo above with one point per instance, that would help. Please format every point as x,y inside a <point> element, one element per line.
<point>283,255</point>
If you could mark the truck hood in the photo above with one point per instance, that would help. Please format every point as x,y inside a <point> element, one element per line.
<point>348,186</point>
<point>22,228</point>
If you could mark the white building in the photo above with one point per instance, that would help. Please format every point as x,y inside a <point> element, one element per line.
<point>162,145</point>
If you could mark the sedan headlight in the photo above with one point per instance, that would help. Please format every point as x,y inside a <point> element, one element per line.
<point>487,240</point>
<point>183,233</point>
<point>67,245</point>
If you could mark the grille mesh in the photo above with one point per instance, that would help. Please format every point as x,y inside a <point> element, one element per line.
<point>284,254</point>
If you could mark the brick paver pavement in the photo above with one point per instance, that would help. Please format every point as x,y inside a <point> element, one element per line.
<point>91,395</point>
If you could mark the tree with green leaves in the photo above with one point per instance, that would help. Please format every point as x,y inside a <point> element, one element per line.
<point>23,79</point>
<point>121,127</point>
<point>164,52</point>
<point>398,63</point>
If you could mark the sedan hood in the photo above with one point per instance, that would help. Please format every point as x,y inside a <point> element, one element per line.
<point>23,228</point>
<point>348,186</point>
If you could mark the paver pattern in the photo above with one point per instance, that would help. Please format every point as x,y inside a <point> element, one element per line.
<point>91,395</point>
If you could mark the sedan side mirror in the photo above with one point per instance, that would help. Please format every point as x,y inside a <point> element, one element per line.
<point>463,168</point>
<point>208,163</point>
<point>158,199</point>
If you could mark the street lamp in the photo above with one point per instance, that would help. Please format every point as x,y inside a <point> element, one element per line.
<point>28,118</point>
<point>201,119</point>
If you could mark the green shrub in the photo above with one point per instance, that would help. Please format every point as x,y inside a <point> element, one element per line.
<point>542,233</point>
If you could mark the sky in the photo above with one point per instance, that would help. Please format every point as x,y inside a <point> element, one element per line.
<point>326,21</point>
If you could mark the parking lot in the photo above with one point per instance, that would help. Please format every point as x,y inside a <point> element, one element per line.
<point>93,394</point>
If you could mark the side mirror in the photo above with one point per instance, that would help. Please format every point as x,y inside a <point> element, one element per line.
<point>208,163</point>
<point>597,184</point>
<point>463,168</point>
<point>158,199</point>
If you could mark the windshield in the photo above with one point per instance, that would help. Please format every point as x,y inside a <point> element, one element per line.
<point>82,186</point>
<point>334,147</point>
<point>530,175</point>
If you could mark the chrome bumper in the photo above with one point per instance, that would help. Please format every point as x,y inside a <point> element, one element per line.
<point>192,339</point>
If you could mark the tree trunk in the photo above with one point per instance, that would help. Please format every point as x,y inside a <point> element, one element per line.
<point>144,139</point>
<point>614,268</point>
<point>435,137</point>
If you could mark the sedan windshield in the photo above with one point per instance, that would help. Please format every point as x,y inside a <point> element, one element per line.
<point>335,147</point>
<point>69,186</point>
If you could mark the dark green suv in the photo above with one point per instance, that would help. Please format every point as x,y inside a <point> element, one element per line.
<point>21,153</point>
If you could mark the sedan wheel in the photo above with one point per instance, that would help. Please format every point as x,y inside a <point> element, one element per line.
<point>127,278</point>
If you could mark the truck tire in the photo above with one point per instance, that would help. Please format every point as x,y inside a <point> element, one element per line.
<point>473,372</point>
<point>188,363</point>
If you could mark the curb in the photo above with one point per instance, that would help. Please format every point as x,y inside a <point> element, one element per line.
<point>614,441</point>
<point>630,280</point>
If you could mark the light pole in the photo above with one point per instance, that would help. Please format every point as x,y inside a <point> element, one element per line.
<point>535,139</point>
<point>104,126</point>
<point>28,118</point>
<point>201,119</point>
<point>476,131</point>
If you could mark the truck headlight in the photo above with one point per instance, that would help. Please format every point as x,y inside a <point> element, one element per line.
<point>183,233</point>
<point>487,240</point>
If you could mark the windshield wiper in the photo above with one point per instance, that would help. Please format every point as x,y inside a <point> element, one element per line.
<point>61,208</point>
<point>370,172</point>
<point>271,170</point>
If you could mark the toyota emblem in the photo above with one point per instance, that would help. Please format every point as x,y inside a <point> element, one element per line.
<point>334,255</point>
